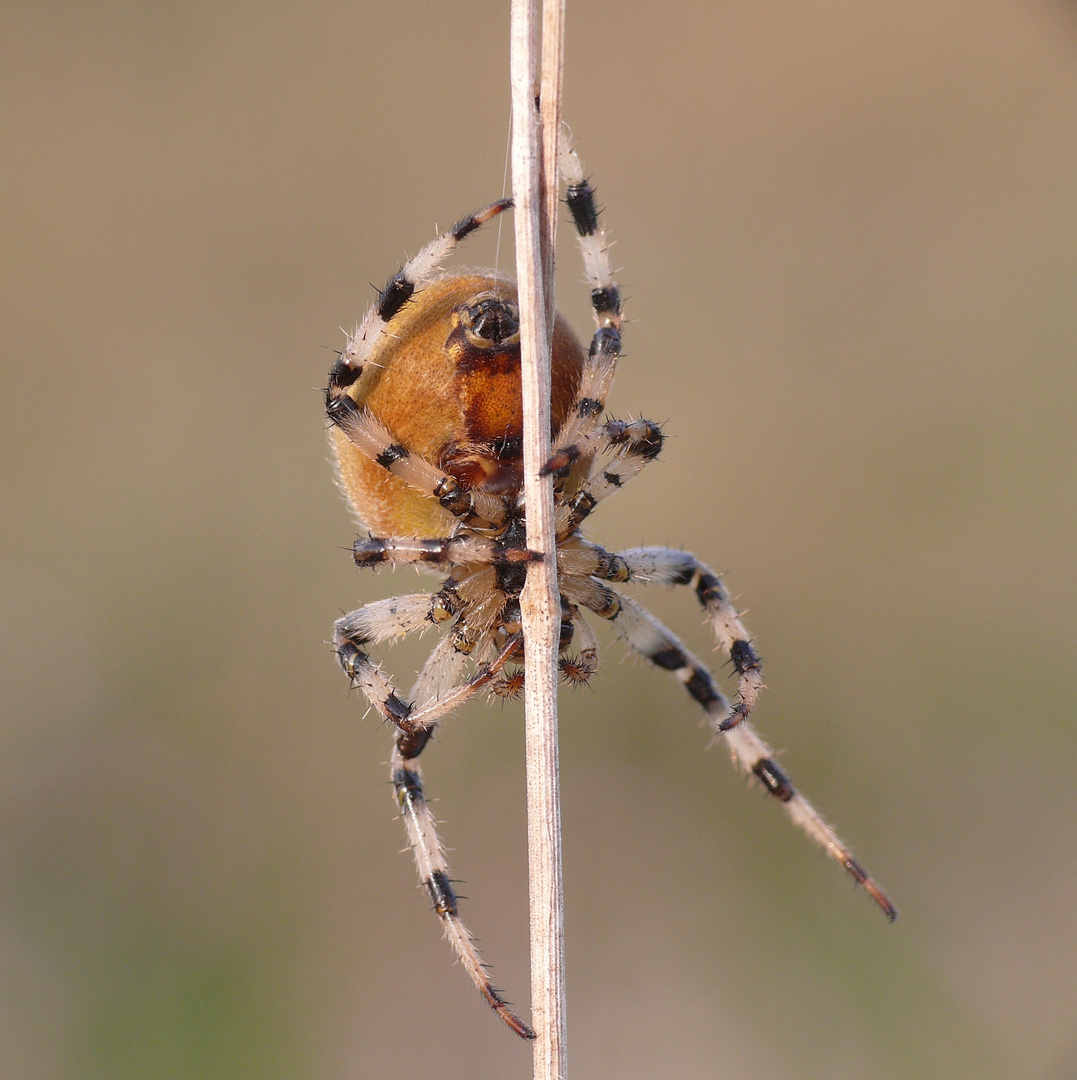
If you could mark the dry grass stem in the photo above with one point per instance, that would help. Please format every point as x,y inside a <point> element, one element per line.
<point>534,187</point>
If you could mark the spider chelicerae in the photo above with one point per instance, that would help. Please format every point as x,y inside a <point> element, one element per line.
<point>424,407</point>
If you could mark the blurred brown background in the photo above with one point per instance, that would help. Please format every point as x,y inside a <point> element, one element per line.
<point>847,235</point>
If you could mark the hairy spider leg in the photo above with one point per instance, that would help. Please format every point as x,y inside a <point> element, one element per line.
<point>371,437</point>
<point>399,289</point>
<point>438,691</point>
<point>421,829</point>
<point>649,637</point>
<point>631,446</point>
<point>605,348</point>
<point>673,567</point>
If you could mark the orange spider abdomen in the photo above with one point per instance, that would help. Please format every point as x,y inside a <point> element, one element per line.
<point>444,379</point>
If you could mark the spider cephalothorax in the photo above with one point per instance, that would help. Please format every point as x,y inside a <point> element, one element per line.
<point>425,416</point>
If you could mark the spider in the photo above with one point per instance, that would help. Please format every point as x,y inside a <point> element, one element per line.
<point>424,410</point>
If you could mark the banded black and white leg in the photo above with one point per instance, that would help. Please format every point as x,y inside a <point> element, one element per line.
<point>354,634</point>
<point>370,436</point>
<point>466,548</point>
<point>399,289</point>
<point>647,636</point>
<point>429,852</point>
<point>440,688</point>
<point>672,567</point>
<point>584,561</point>
<point>631,446</point>
<point>605,348</point>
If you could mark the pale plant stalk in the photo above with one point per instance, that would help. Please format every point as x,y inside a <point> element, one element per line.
<point>534,186</point>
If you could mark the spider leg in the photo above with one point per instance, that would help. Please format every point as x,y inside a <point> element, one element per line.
<point>409,279</point>
<point>383,619</point>
<point>351,637</point>
<point>634,444</point>
<point>580,197</point>
<point>644,633</point>
<point>643,437</point>
<point>437,691</point>
<point>371,437</point>
<point>446,551</point>
<point>422,833</point>
<point>672,567</point>
<point>605,346</point>
<point>425,717</point>
<point>584,560</point>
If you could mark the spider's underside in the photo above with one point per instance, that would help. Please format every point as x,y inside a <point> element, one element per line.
<point>424,406</point>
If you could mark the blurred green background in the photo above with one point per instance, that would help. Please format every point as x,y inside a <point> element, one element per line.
<point>848,235</point>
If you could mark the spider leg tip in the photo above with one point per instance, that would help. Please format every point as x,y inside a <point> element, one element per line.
<point>734,719</point>
<point>872,889</point>
<point>883,901</point>
<point>517,1025</point>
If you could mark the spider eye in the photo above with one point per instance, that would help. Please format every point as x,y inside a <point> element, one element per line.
<point>491,321</point>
